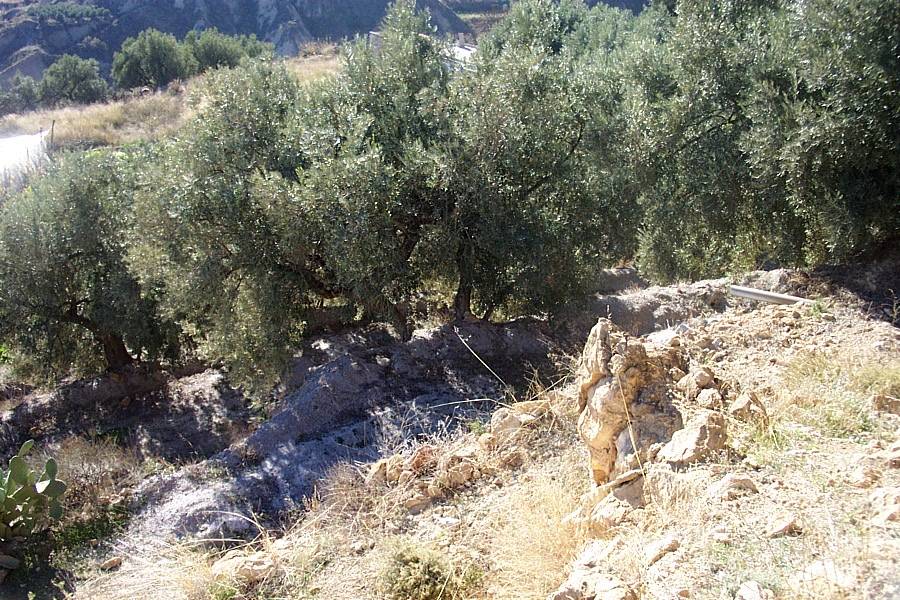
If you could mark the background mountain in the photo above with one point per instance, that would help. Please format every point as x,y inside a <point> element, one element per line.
<point>34,33</point>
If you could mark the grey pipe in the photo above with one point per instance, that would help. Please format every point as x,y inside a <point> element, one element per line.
<point>763,296</point>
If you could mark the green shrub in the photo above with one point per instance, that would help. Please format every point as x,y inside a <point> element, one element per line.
<point>68,300</point>
<point>73,79</point>
<point>212,49</point>
<point>153,58</point>
<point>28,498</point>
<point>416,573</point>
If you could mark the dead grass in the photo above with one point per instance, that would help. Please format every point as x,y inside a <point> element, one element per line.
<point>532,547</point>
<point>147,118</point>
<point>318,63</point>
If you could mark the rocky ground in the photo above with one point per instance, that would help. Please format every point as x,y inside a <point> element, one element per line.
<point>702,447</point>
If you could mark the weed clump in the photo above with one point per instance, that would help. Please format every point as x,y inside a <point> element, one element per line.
<point>418,573</point>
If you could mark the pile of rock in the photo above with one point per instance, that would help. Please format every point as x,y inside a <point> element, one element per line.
<point>645,416</point>
<point>430,473</point>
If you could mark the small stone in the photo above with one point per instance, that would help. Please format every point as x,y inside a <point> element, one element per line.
<point>732,486</point>
<point>660,548</point>
<point>885,403</point>
<point>113,563</point>
<point>249,568</point>
<point>487,441</point>
<point>704,434</point>
<point>709,398</point>
<point>422,459</point>
<point>782,526</point>
<point>460,474</point>
<point>703,377</point>
<point>687,386</point>
<point>417,503</point>
<point>377,473</point>
<point>683,593</point>
<point>589,584</point>
<point>10,563</point>
<point>751,590</point>
<point>3,574</point>
<point>748,407</point>
<point>505,425</point>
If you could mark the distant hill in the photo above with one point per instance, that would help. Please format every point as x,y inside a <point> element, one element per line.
<point>33,33</point>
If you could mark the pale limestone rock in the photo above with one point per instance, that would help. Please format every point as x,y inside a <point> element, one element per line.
<point>709,398</point>
<point>505,425</point>
<point>703,435</point>
<point>748,407</point>
<point>688,387</point>
<point>487,441</point>
<point>751,590</point>
<point>460,474</point>
<point>423,458</point>
<point>823,577</point>
<point>783,525</point>
<point>247,568</point>
<point>417,503</point>
<point>623,399</point>
<point>703,377</point>
<point>732,486</point>
<point>656,550</point>
<point>589,579</point>
<point>610,504</point>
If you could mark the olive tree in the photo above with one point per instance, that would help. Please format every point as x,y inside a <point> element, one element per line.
<point>151,58</point>
<point>73,79</point>
<point>213,238</point>
<point>67,298</point>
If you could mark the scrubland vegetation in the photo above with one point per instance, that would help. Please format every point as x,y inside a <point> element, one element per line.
<point>693,140</point>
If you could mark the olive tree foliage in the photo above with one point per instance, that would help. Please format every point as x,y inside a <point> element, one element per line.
<point>68,300</point>
<point>765,131</point>
<point>212,49</point>
<point>826,124</point>
<point>72,80</point>
<point>212,238</point>
<point>372,196</point>
<point>152,58</point>
<point>522,229</point>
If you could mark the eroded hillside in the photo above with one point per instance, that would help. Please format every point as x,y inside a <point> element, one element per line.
<point>33,34</point>
<point>766,461</point>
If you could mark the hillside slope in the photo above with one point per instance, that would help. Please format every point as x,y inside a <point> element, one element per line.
<point>34,33</point>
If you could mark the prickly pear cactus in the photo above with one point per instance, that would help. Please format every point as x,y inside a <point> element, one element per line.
<point>28,498</point>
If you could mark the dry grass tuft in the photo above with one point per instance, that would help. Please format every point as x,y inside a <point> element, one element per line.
<point>152,117</point>
<point>315,64</point>
<point>531,547</point>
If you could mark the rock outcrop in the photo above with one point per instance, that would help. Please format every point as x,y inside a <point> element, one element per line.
<point>624,400</point>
